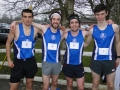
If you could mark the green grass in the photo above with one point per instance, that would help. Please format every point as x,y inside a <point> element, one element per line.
<point>86,61</point>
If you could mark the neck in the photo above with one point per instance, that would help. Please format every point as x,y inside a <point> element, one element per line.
<point>26,27</point>
<point>74,33</point>
<point>103,24</point>
<point>53,30</point>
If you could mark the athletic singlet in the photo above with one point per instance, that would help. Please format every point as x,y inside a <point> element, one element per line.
<point>50,46</point>
<point>24,47</point>
<point>103,43</point>
<point>74,48</point>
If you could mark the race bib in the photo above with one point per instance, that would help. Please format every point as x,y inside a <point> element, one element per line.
<point>52,46</point>
<point>26,44</point>
<point>74,45</point>
<point>103,51</point>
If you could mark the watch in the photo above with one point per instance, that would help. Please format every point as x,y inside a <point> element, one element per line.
<point>86,29</point>
<point>118,56</point>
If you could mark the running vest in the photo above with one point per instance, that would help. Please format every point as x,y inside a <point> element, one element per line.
<point>50,46</point>
<point>74,48</point>
<point>24,47</point>
<point>103,43</point>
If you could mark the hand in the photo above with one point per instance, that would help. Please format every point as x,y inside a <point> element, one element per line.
<point>10,64</point>
<point>13,27</point>
<point>47,25</point>
<point>110,21</point>
<point>62,28</point>
<point>117,62</point>
<point>90,27</point>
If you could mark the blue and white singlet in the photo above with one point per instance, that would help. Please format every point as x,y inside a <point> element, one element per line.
<point>74,48</point>
<point>103,43</point>
<point>50,47</point>
<point>24,47</point>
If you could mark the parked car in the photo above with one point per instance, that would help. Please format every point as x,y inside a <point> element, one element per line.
<point>4,34</point>
<point>4,25</point>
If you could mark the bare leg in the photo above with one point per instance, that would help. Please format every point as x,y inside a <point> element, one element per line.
<point>80,83</point>
<point>14,86</point>
<point>46,81</point>
<point>69,83</point>
<point>110,81</point>
<point>96,80</point>
<point>54,82</point>
<point>29,83</point>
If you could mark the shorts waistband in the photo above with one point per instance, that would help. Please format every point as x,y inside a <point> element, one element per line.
<point>23,60</point>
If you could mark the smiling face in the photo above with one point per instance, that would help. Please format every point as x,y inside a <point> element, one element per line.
<point>74,25</point>
<point>27,18</point>
<point>55,21</point>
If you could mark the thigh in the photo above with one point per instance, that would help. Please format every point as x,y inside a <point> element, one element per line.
<point>29,81</point>
<point>56,68</point>
<point>96,77</point>
<point>80,82</point>
<point>69,80</point>
<point>55,78</point>
<point>110,78</point>
<point>14,86</point>
<point>46,80</point>
<point>46,68</point>
<point>31,68</point>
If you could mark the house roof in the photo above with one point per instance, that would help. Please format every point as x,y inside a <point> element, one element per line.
<point>83,20</point>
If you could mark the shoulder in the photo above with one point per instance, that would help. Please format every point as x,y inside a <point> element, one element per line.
<point>65,34</point>
<point>115,27</point>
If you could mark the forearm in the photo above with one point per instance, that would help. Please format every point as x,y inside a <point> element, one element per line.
<point>17,22</point>
<point>8,51</point>
<point>118,48</point>
<point>39,26</point>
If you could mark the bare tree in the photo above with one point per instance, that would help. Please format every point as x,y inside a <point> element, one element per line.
<point>115,13</point>
<point>66,7</point>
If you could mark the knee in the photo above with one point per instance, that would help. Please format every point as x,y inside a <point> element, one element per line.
<point>81,88</point>
<point>29,86</point>
<point>96,83</point>
<point>54,84</point>
<point>110,86</point>
<point>45,87</point>
<point>69,84</point>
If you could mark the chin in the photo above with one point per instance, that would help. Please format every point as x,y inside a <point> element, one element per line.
<point>75,30</point>
<point>55,27</point>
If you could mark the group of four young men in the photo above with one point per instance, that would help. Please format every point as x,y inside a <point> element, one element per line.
<point>103,57</point>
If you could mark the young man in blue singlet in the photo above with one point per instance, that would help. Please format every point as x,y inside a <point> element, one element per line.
<point>24,64</point>
<point>73,66</point>
<point>103,57</point>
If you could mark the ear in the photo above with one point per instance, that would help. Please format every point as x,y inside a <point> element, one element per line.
<point>106,13</point>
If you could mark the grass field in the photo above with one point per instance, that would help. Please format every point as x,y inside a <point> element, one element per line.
<point>86,61</point>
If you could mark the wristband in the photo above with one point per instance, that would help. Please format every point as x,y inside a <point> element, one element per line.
<point>118,56</point>
<point>86,29</point>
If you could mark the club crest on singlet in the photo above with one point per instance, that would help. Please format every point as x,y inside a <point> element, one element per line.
<point>53,37</point>
<point>102,35</point>
<point>74,40</point>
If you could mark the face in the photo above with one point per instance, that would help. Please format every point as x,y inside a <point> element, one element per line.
<point>101,16</point>
<point>55,21</point>
<point>74,25</point>
<point>27,18</point>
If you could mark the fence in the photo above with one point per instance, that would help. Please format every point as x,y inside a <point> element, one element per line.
<point>60,81</point>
